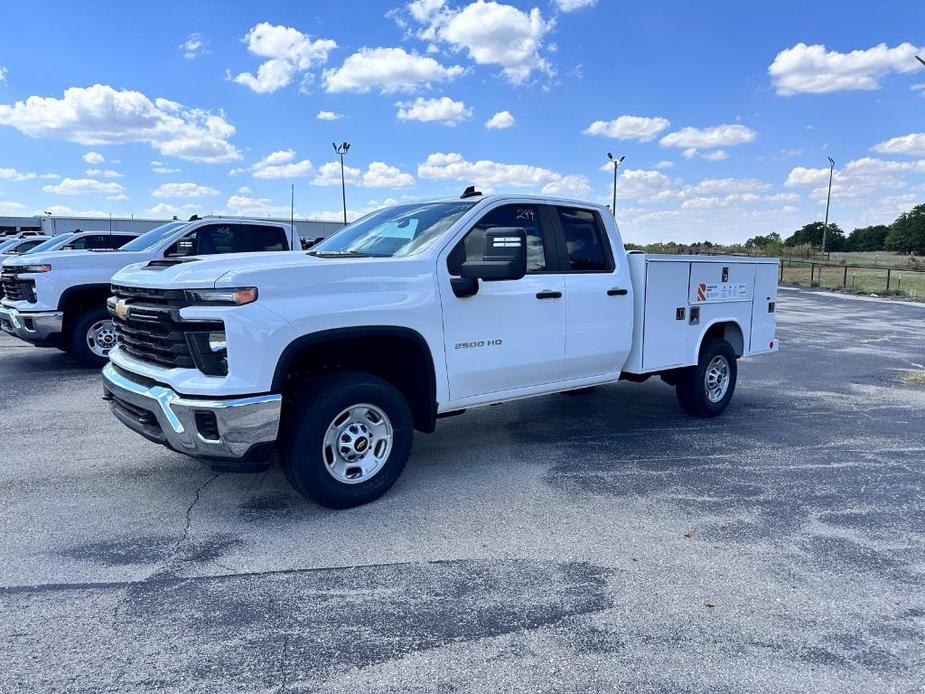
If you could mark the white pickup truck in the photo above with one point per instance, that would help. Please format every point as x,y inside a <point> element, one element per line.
<point>58,299</point>
<point>416,312</point>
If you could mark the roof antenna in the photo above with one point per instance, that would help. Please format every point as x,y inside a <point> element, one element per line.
<point>469,192</point>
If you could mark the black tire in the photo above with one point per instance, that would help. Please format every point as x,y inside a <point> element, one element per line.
<point>77,340</point>
<point>691,387</point>
<point>302,445</point>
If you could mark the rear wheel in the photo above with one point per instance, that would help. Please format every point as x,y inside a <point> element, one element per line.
<point>705,390</point>
<point>92,336</point>
<point>346,439</point>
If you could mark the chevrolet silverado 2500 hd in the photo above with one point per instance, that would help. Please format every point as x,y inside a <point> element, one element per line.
<point>58,299</point>
<point>418,311</point>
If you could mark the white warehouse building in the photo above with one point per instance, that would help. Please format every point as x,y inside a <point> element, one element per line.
<point>54,225</point>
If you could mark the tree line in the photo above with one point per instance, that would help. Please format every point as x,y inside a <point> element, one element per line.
<point>905,235</point>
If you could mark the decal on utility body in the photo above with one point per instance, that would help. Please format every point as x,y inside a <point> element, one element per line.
<point>725,291</point>
<point>478,343</point>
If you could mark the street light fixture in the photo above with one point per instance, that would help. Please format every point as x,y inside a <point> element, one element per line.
<point>616,164</point>
<point>342,150</point>
<point>828,199</point>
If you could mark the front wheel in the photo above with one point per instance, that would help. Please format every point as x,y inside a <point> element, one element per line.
<point>705,390</point>
<point>92,336</point>
<point>346,439</point>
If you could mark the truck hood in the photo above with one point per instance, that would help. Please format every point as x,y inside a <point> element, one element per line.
<point>68,259</point>
<point>205,271</point>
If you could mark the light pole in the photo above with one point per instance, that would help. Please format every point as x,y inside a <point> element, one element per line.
<point>341,150</point>
<point>616,164</point>
<point>828,199</point>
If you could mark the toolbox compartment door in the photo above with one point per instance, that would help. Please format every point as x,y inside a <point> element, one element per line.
<point>764,307</point>
<point>665,328</point>
<point>721,283</point>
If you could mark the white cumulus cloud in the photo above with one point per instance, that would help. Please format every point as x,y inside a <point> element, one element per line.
<point>3,72</point>
<point>10,207</point>
<point>381,175</point>
<point>287,50</point>
<point>281,164</point>
<point>94,158</point>
<point>329,115</point>
<point>101,115</point>
<point>491,33</point>
<point>816,70</point>
<point>377,175</point>
<point>388,70</point>
<point>182,190</point>
<point>639,128</point>
<point>444,110</point>
<point>14,175</point>
<point>193,47</point>
<point>489,174</point>
<point>573,5</point>
<point>501,120</point>
<point>162,168</point>
<point>84,186</point>
<point>912,144</point>
<point>692,139</point>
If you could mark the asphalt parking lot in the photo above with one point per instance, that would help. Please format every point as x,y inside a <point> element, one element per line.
<point>598,543</point>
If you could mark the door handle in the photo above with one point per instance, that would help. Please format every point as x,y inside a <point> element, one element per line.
<point>549,295</point>
<point>617,292</point>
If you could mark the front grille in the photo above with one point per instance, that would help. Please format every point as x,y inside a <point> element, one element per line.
<point>16,289</point>
<point>152,331</point>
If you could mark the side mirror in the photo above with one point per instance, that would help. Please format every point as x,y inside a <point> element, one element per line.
<point>504,256</point>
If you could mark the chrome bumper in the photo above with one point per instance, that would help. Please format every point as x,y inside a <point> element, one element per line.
<point>224,428</point>
<point>39,326</point>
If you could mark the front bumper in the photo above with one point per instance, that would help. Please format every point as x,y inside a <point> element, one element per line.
<point>39,327</point>
<point>242,428</point>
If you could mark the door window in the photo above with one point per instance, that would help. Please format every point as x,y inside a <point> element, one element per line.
<point>230,238</point>
<point>585,240</point>
<point>526,217</point>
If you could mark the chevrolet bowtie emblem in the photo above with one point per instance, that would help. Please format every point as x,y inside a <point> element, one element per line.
<point>122,308</point>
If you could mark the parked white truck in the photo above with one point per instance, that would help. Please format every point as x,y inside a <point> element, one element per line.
<point>58,299</point>
<point>416,312</point>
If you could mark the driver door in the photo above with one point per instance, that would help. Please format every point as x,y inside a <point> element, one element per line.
<point>511,334</point>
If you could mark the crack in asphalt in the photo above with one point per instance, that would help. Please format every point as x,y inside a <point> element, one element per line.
<point>169,580</point>
<point>184,537</point>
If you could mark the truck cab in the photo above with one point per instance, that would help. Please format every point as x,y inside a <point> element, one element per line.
<point>415,312</point>
<point>58,298</point>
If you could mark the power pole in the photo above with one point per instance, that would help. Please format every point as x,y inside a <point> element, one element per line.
<point>828,199</point>
<point>341,150</point>
<point>616,164</point>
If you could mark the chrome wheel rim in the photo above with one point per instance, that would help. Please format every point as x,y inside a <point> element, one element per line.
<point>357,443</point>
<point>716,378</point>
<point>101,337</point>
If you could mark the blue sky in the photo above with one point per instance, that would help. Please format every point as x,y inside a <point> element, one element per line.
<point>725,114</point>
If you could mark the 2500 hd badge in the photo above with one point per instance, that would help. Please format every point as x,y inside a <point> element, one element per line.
<point>479,343</point>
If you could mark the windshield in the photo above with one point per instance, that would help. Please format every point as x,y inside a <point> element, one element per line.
<point>51,244</point>
<point>153,237</point>
<point>9,243</point>
<point>394,231</point>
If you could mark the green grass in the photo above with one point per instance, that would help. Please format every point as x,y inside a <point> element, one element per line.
<point>861,280</point>
<point>882,259</point>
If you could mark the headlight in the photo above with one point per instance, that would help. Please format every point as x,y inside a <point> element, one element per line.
<point>36,268</point>
<point>233,296</point>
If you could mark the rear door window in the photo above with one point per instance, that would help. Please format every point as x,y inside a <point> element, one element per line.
<point>259,237</point>
<point>230,238</point>
<point>585,240</point>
